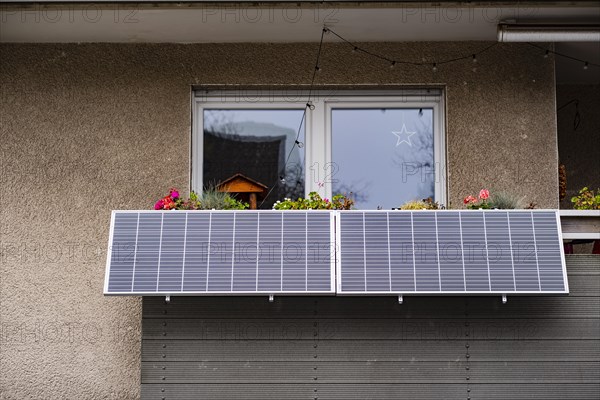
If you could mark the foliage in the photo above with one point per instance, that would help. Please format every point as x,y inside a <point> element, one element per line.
<point>212,199</point>
<point>586,200</point>
<point>315,202</point>
<point>209,200</point>
<point>425,204</point>
<point>475,203</point>
<point>506,201</point>
<point>562,181</point>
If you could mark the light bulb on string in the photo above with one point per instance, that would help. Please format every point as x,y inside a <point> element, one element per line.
<point>474,59</point>
<point>392,64</point>
<point>434,67</point>
<point>310,105</point>
<point>585,66</point>
<point>282,179</point>
<point>299,144</point>
<point>355,49</point>
<point>325,30</point>
<point>318,69</point>
<point>547,54</point>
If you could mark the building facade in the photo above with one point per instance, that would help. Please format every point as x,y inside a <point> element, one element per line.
<point>91,123</point>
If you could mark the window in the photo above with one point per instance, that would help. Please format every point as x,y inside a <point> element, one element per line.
<point>385,148</point>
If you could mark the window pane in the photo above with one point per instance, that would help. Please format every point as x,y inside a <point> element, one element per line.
<point>384,156</point>
<point>256,144</point>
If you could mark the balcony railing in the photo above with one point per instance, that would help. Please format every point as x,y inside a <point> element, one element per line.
<point>580,224</point>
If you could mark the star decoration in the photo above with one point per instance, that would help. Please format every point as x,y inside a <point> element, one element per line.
<point>403,136</point>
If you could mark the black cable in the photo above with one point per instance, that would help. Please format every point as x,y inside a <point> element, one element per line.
<point>394,62</point>
<point>546,51</point>
<point>577,117</point>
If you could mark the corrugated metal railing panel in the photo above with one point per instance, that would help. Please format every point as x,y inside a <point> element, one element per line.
<point>373,347</point>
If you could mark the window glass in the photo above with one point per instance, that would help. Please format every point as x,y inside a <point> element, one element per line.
<point>255,143</point>
<point>384,156</point>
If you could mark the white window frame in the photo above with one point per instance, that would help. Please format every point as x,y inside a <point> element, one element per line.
<point>318,135</point>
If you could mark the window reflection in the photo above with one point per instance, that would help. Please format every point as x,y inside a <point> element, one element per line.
<point>256,144</point>
<point>384,156</point>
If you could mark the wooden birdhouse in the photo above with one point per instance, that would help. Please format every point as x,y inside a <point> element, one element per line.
<point>244,189</point>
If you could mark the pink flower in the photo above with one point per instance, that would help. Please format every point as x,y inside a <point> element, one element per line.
<point>469,199</point>
<point>326,200</point>
<point>159,205</point>
<point>484,194</point>
<point>174,193</point>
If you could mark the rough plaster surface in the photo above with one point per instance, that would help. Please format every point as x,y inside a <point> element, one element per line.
<point>579,149</point>
<point>90,128</point>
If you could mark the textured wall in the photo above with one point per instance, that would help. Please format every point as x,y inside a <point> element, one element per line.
<point>94,127</point>
<point>579,149</point>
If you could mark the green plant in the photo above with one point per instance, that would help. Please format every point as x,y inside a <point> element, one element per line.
<point>414,205</point>
<point>586,200</point>
<point>507,201</point>
<point>210,199</point>
<point>425,204</point>
<point>315,202</point>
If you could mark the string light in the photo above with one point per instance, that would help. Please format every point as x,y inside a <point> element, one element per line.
<point>392,64</point>
<point>474,58</point>
<point>355,49</point>
<point>434,68</point>
<point>310,105</point>
<point>318,69</point>
<point>282,179</point>
<point>548,52</point>
<point>299,144</point>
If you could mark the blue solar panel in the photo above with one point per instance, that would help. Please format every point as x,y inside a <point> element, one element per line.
<point>220,252</point>
<point>452,252</point>
<point>378,252</point>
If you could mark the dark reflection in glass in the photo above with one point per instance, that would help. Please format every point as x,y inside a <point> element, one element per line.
<point>385,156</point>
<point>256,144</point>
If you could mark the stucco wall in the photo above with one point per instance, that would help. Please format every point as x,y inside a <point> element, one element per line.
<point>579,149</point>
<point>94,127</point>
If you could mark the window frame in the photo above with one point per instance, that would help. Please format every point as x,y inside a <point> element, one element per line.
<point>318,124</point>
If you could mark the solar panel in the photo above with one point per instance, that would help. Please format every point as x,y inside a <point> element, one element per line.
<point>378,252</point>
<point>450,252</point>
<point>220,252</point>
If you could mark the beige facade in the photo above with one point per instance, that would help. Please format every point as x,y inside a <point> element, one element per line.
<point>94,127</point>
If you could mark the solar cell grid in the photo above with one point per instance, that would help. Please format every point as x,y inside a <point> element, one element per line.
<point>378,252</point>
<point>451,252</point>
<point>220,252</point>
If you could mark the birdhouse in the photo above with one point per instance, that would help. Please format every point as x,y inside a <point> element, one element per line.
<point>244,189</point>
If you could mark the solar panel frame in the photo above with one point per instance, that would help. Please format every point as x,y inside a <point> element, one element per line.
<point>471,213</point>
<point>323,255</point>
<point>334,263</point>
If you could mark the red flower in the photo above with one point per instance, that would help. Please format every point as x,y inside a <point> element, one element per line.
<point>469,199</point>
<point>159,205</point>
<point>484,194</point>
